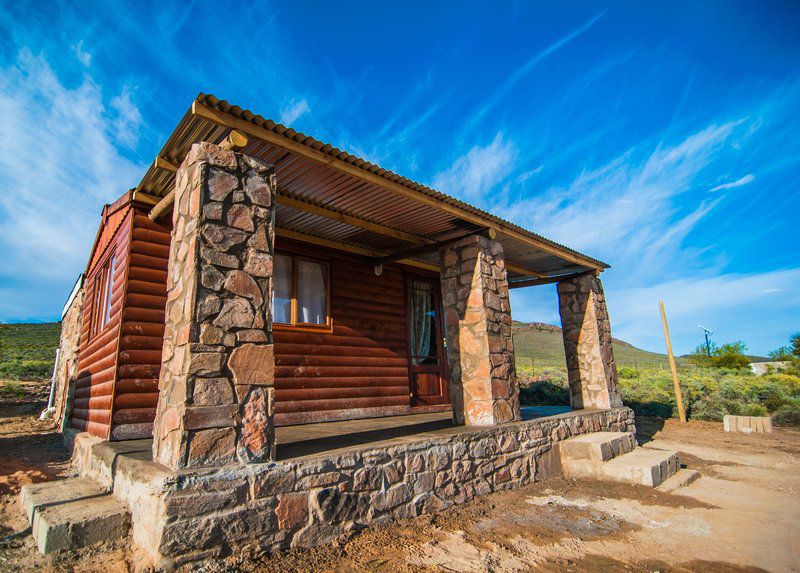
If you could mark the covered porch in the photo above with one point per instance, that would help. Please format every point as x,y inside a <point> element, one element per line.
<point>238,187</point>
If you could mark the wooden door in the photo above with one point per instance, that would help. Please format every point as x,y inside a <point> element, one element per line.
<point>426,360</point>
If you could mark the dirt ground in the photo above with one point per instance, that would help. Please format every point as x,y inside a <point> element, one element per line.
<point>743,514</point>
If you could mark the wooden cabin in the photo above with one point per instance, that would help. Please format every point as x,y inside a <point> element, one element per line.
<point>366,346</point>
<point>357,305</point>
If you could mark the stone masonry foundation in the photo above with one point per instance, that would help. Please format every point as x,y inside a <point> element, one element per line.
<point>591,368</point>
<point>480,348</point>
<point>215,387</point>
<point>202,513</point>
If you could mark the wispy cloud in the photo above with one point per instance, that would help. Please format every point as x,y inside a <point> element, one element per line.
<point>293,111</point>
<point>84,56</point>
<point>506,87</point>
<point>749,178</point>
<point>479,171</point>
<point>60,163</point>
<point>759,300</point>
<point>627,209</point>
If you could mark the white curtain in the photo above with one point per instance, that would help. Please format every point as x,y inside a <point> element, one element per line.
<point>421,309</point>
<point>282,289</point>
<point>311,292</point>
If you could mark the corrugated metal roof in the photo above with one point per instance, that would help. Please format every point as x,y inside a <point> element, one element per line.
<point>323,184</point>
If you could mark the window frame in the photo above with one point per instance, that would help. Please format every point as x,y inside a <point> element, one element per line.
<point>294,325</point>
<point>103,287</point>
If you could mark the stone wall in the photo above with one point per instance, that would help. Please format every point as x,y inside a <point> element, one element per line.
<point>586,329</point>
<point>66,367</point>
<point>477,317</point>
<point>215,386</point>
<point>209,513</point>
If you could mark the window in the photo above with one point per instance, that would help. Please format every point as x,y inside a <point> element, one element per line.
<point>103,289</point>
<point>300,291</point>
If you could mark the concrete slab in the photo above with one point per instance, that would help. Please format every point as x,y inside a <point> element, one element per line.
<point>599,446</point>
<point>40,495</point>
<point>682,478</point>
<point>79,523</point>
<point>642,466</point>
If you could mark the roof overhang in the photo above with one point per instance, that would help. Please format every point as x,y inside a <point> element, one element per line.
<point>329,197</point>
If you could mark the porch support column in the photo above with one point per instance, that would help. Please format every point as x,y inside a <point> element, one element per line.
<point>480,348</point>
<point>591,369</point>
<point>216,383</point>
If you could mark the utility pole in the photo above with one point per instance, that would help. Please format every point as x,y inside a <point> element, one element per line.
<point>678,395</point>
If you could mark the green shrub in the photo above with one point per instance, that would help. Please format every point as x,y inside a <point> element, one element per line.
<point>627,372</point>
<point>787,416</point>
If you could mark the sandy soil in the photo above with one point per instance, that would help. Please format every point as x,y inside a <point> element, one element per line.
<point>743,514</point>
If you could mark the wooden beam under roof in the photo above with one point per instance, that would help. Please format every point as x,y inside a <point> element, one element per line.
<point>355,249</point>
<point>227,120</point>
<point>283,198</point>
<point>549,280</point>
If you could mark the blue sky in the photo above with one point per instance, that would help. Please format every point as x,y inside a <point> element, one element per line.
<point>658,137</point>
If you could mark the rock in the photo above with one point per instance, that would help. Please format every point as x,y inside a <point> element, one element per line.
<point>240,217</point>
<point>241,283</point>
<point>253,364</point>
<point>212,392</point>
<point>220,184</point>
<point>256,428</point>
<point>223,238</point>
<point>235,313</point>
<point>258,189</point>
<point>292,510</point>
<point>211,278</point>
<point>220,259</point>
<point>258,264</point>
<point>212,447</point>
<point>205,363</point>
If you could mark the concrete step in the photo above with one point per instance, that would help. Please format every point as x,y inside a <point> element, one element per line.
<point>598,446</point>
<point>642,466</point>
<point>682,478</point>
<point>73,513</point>
<point>39,495</point>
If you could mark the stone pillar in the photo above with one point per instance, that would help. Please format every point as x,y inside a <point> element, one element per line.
<point>586,329</point>
<point>480,347</point>
<point>215,389</point>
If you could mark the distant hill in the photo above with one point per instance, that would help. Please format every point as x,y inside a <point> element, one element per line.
<point>541,345</point>
<point>28,351</point>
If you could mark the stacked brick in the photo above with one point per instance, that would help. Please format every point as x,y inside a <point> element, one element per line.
<point>215,386</point>
<point>591,368</point>
<point>477,317</point>
<point>308,502</point>
<point>66,367</point>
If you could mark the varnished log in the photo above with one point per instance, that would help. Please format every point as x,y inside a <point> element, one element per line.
<point>134,415</point>
<point>133,342</point>
<point>141,260</point>
<point>344,403</point>
<point>361,361</point>
<point>136,385</point>
<point>135,400</point>
<point>292,395</point>
<point>140,357</point>
<point>143,328</point>
<point>144,315</point>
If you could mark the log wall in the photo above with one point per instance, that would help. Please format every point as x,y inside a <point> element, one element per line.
<point>97,361</point>
<point>360,367</point>
<point>142,332</point>
<point>357,368</point>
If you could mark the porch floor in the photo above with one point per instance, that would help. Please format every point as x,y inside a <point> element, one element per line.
<point>297,442</point>
<point>331,438</point>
